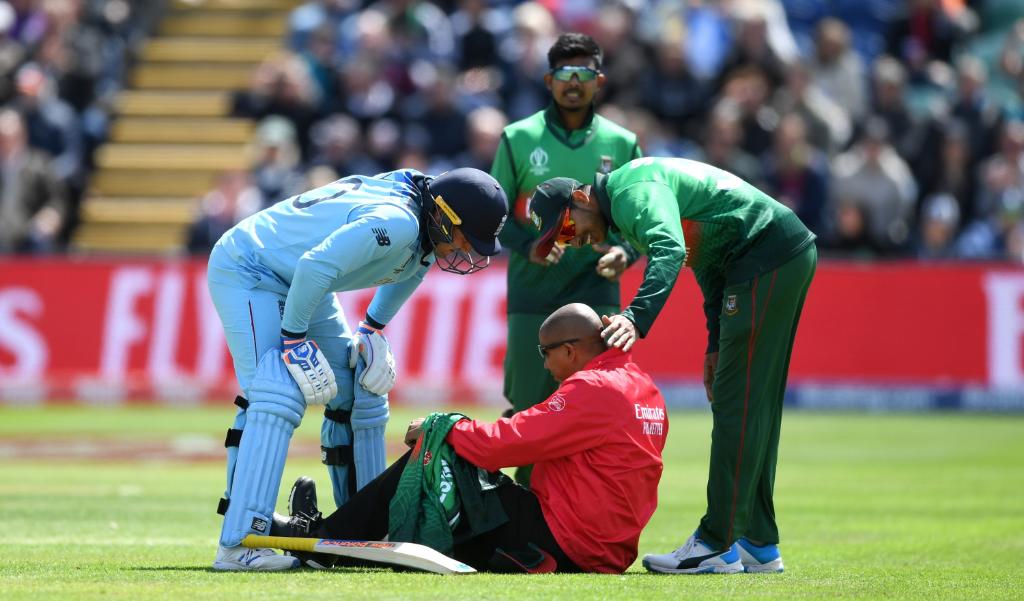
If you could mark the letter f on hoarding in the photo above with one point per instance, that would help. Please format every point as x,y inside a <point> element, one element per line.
<point>122,328</point>
<point>1005,295</point>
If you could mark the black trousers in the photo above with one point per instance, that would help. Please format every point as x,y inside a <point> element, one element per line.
<point>365,517</point>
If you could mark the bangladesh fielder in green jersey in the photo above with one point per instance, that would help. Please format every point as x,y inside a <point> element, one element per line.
<point>754,261</point>
<point>566,139</point>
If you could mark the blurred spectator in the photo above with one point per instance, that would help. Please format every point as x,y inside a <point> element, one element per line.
<point>366,94</point>
<point>753,44</point>
<point>33,205</point>
<point>52,124</point>
<point>233,199</point>
<point>998,236</point>
<point>384,144</point>
<point>940,221</point>
<point>625,57</point>
<point>871,175</point>
<point>475,30</point>
<point>670,91</point>
<point>1002,174</point>
<point>310,17</point>
<point>484,127</point>
<point>925,32</point>
<point>12,53</point>
<point>721,144</point>
<point>975,107</point>
<point>433,116</point>
<point>827,123</point>
<point>748,90</point>
<point>420,29</point>
<point>338,144</point>
<point>276,168</point>
<point>319,58</point>
<point>525,55</point>
<point>837,70</point>
<point>655,139</point>
<point>30,23</point>
<point>708,38</point>
<point>850,236</point>
<point>951,170</point>
<point>888,101</point>
<point>797,174</point>
<point>282,86</point>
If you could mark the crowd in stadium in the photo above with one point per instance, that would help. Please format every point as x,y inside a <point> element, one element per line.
<point>893,128</point>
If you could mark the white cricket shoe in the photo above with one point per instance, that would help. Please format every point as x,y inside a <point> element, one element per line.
<point>244,559</point>
<point>759,559</point>
<point>695,557</point>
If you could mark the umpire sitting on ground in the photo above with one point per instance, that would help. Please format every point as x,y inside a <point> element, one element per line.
<point>596,443</point>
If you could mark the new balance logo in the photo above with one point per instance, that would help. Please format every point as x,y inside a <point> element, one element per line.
<point>382,236</point>
<point>259,524</point>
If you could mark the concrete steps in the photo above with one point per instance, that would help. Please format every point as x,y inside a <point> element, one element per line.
<point>186,157</point>
<point>131,211</point>
<point>174,130</point>
<point>132,184</point>
<point>185,76</point>
<point>173,103</point>
<point>174,134</point>
<point>192,49</point>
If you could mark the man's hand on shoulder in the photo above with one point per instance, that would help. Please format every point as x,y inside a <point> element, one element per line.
<point>619,332</point>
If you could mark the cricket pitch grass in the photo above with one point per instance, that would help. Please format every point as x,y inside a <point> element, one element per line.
<point>119,504</point>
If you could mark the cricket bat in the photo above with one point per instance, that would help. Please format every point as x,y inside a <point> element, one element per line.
<point>410,555</point>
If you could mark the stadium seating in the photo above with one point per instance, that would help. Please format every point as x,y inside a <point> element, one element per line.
<point>173,133</point>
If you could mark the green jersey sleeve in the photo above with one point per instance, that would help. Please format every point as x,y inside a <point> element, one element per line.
<point>513,236</point>
<point>647,213</point>
<point>632,255</point>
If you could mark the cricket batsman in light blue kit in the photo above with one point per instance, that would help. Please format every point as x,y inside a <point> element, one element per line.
<point>272,279</point>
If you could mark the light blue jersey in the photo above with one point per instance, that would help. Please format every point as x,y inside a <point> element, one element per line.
<point>354,233</point>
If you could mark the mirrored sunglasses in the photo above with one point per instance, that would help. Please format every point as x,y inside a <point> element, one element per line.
<point>566,231</point>
<point>582,73</point>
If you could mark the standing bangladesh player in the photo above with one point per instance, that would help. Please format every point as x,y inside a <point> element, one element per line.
<point>565,139</point>
<point>272,279</point>
<point>754,261</point>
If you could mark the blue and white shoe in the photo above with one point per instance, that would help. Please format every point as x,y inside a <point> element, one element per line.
<point>695,557</point>
<point>759,559</point>
<point>243,559</point>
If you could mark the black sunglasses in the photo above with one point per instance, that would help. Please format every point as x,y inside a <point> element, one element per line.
<point>544,348</point>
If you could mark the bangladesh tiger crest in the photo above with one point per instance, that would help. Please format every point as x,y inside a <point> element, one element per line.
<point>731,306</point>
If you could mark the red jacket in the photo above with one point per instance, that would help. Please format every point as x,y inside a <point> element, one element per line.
<point>596,444</point>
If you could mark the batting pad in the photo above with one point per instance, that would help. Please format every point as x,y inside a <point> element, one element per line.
<point>333,435</point>
<point>238,424</point>
<point>369,417</point>
<point>276,407</point>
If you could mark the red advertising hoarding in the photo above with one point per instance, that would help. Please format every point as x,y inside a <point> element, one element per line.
<point>119,330</point>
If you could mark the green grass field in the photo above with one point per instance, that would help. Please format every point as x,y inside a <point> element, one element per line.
<point>870,506</point>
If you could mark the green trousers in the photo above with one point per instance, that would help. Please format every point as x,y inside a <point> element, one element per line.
<point>758,324</point>
<point>526,381</point>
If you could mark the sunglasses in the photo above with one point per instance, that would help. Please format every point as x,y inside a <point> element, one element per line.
<point>582,73</point>
<point>544,348</point>
<point>567,230</point>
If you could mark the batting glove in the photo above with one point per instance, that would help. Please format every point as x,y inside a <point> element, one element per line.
<point>309,368</point>
<point>379,375</point>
